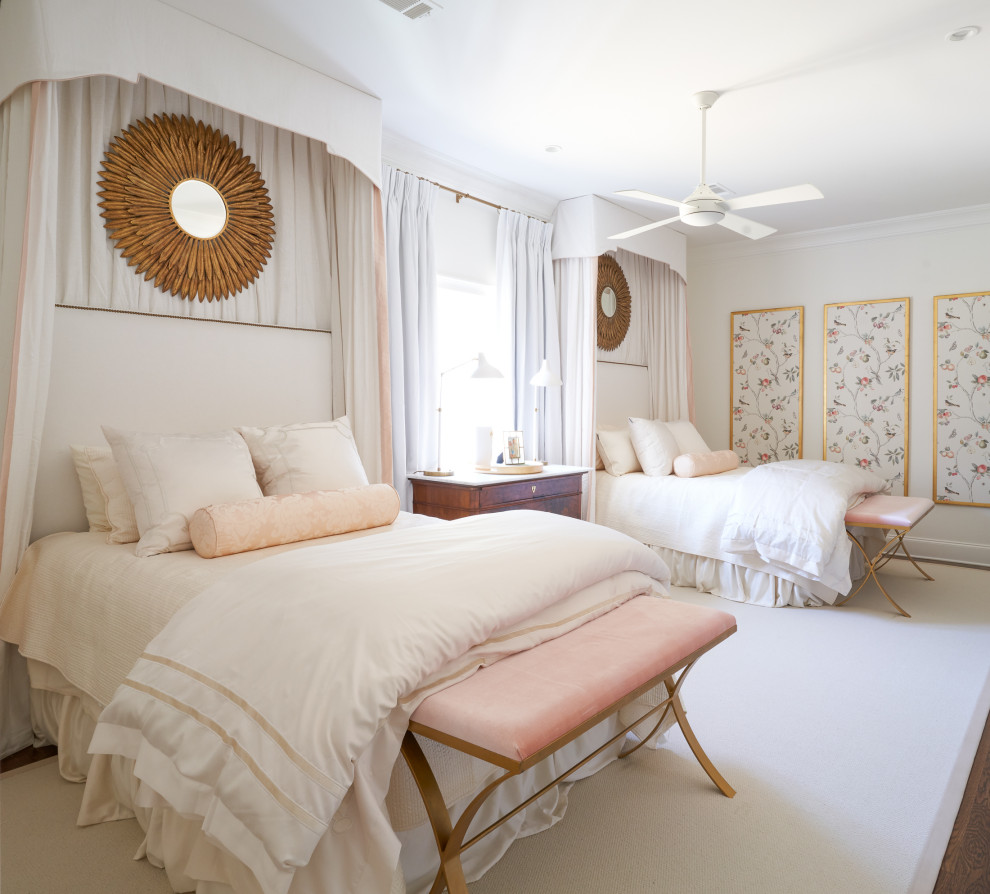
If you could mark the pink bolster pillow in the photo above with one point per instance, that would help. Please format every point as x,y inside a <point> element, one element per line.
<point>693,465</point>
<point>286,518</point>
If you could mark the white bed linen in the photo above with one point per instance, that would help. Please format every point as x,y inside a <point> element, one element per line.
<point>211,713</point>
<point>791,515</point>
<point>687,516</point>
<point>88,608</point>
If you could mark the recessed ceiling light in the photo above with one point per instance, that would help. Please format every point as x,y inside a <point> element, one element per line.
<point>553,147</point>
<point>963,33</point>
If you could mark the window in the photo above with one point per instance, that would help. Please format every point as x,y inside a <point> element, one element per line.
<point>466,327</point>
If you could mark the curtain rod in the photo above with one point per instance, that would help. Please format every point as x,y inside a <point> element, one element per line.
<point>144,313</point>
<point>460,194</point>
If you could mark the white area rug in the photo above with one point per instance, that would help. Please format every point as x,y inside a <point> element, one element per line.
<point>848,733</point>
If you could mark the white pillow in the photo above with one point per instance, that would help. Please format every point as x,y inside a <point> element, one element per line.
<point>654,444</point>
<point>169,477</point>
<point>687,437</point>
<point>617,453</point>
<point>297,459</point>
<point>108,508</point>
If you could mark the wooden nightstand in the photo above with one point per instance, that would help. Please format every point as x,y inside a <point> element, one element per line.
<point>555,489</point>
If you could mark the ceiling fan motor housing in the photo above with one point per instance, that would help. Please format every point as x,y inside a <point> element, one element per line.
<point>705,207</point>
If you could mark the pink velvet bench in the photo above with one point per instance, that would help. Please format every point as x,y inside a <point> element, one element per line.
<point>895,514</point>
<point>520,710</point>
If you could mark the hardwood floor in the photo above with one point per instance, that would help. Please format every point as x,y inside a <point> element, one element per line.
<point>26,756</point>
<point>965,866</point>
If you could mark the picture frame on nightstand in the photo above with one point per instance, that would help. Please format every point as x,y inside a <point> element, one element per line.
<point>512,448</point>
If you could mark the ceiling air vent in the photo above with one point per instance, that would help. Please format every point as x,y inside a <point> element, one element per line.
<point>413,9</point>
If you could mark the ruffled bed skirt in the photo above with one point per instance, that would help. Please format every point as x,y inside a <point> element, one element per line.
<point>63,715</point>
<point>742,584</point>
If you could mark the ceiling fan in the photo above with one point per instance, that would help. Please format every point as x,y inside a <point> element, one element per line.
<point>704,207</point>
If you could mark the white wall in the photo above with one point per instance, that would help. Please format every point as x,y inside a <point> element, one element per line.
<point>917,258</point>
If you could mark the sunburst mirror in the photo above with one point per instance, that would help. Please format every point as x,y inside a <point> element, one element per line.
<point>186,207</point>
<point>614,304</point>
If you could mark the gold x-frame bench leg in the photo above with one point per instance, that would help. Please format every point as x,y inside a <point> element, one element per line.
<point>885,554</point>
<point>450,837</point>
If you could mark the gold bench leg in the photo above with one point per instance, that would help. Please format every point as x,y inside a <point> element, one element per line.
<point>692,740</point>
<point>878,561</point>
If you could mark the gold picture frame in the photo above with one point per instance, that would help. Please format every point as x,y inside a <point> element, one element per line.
<point>865,381</point>
<point>961,400</point>
<point>144,168</point>
<point>766,384</point>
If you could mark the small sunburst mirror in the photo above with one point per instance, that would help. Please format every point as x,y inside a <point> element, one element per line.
<point>614,303</point>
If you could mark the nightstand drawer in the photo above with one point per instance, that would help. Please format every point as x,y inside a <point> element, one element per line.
<point>497,495</point>
<point>557,489</point>
<point>565,504</point>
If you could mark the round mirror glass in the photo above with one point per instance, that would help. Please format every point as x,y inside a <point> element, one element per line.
<point>609,302</point>
<point>198,208</point>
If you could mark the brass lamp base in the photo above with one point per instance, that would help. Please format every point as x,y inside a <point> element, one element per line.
<point>438,473</point>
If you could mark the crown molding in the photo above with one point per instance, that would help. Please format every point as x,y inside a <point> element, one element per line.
<point>954,218</point>
<point>414,158</point>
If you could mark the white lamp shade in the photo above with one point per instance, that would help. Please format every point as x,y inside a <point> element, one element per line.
<point>485,370</point>
<point>545,378</point>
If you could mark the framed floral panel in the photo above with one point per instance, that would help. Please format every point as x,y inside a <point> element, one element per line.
<point>765,390</point>
<point>961,474</point>
<point>866,387</point>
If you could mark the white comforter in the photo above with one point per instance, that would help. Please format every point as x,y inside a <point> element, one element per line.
<point>791,513</point>
<point>288,685</point>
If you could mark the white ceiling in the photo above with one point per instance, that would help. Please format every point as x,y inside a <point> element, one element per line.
<point>866,99</point>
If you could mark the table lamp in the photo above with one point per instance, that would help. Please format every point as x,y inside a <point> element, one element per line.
<point>545,378</point>
<point>483,370</point>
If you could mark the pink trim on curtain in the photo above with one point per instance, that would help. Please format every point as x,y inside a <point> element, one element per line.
<point>690,363</point>
<point>381,308</point>
<point>8,431</point>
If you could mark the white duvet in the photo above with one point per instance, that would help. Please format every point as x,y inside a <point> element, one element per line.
<point>791,514</point>
<point>275,702</point>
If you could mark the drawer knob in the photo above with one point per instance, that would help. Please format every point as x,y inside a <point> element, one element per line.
<point>534,488</point>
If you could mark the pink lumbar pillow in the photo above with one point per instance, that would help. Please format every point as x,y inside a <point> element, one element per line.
<point>227,528</point>
<point>693,465</point>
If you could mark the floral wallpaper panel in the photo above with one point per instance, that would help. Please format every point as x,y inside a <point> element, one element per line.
<point>866,387</point>
<point>765,425</point>
<point>962,400</point>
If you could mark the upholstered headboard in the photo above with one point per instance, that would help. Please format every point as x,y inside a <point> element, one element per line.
<point>623,391</point>
<point>164,374</point>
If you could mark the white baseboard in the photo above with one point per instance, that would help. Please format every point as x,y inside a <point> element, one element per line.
<point>976,554</point>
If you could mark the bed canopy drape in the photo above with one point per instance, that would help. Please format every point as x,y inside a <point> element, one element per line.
<point>70,71</point>
<point>655,265</point>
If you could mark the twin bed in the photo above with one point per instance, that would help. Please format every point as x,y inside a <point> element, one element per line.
<point>772,535</point>
<point>253,730</point>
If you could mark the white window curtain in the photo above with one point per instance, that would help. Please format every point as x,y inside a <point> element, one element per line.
<point>527,313</point>
<point>410,250</point>
<point>575,280</point>
<point>662,297</point>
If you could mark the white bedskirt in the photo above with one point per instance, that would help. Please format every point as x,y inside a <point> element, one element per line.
<point>741,584</point>
<point>63,715</point>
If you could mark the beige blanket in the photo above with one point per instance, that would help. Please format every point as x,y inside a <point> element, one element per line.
<point>88,607</point>
<point>287,686</point>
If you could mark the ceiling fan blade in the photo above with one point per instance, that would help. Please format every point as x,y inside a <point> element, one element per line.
<point>649,197</point>
<point>745,227</point>
<point>774,197</point>
<point>643,229</point>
